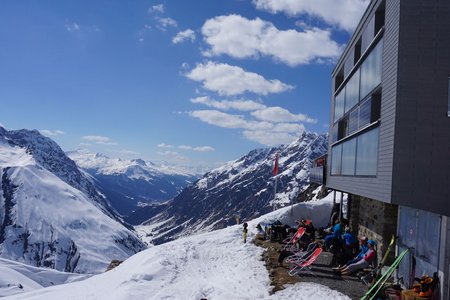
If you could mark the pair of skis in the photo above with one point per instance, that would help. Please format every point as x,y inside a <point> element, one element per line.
<point>376,273</point>
<point>373,291</point>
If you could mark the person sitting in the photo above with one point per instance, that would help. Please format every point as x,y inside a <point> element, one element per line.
<point>358,264</point>
<point>363,249</point>
<point>349,245</point>
<point>334,238</point>
<point>309,236</point>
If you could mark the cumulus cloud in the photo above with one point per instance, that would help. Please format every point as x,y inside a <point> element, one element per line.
<point>159,8</point>
<point>72,27</point>
<point>344,14</point>
<point>185,35</point>
<point>269,129</point>
<point>101,140</point>
<point>232,80</point>
<point>279,114</point>
<point>242,105</point>
<point>51,132</point>
<point>219,118</point>
<point>198,149</point>
<point>272,138</point>
<point>239,37</point>
<point>165,23</point>
<point>162,145</point>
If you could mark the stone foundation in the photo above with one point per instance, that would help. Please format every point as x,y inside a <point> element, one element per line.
<point>376,220</point>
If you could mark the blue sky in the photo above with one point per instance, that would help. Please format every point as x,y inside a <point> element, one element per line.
<point>190,82</point>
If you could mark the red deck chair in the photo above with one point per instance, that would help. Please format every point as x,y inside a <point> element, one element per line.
<point>300,266</point>
<point>290,243</point>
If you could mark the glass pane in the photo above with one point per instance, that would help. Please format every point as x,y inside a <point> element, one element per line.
<point>353,121</point>
<point>352,92</point>
<point>334,136</point>
<point>336,160</point>
<point>368,35</point>
<point>349,157</point>
<point>339,102</point>
<point>367,155</point>
<point>371,70</point>
<point>364,114</point>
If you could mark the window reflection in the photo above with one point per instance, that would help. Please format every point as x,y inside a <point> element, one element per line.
<point>339,102</point>
<point>348,157</point>
<point>371,70</point>
<point>367,154</point>
<point>352,92</point>
<point>336,152</point>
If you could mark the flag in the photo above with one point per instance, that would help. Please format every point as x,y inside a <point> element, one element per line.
<point>275,166</point>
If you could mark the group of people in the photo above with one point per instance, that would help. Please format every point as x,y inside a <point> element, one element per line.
<point>352,253</point>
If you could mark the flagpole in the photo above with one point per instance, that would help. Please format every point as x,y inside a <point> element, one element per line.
<point>275,173</point>
<point>275,193</point>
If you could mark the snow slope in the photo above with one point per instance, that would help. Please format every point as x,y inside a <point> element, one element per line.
<point>45,221</point>
<point>17,278</point>
<point>214,265</point>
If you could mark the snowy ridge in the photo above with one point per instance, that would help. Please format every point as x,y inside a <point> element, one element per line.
<point>45,221</point>
<point>129,184</point>
<point>214,265</point>
<point>243,188</point>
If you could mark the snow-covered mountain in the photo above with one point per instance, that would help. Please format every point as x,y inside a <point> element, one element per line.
<point>243,188</point>
<point>215,265</point>
<point>51,214</point>
<point>128,184</point>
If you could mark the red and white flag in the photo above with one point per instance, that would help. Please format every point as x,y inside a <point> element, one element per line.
<point>275,166</point>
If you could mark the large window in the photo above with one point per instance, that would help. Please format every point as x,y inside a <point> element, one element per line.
<point>367,153</point>
<point>336,153</point>
<point>348,157</point>
<point>357,156</point>
<point>361,83</point>
<point>339,102</point>
<point>371,70</point>
<point>352,92</point>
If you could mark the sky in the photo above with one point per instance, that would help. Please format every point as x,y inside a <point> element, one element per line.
<point>193,83</point>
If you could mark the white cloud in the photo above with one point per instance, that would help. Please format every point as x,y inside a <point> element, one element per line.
<point>101,140</point>
<point>266,132</point>
<point>344,14</point>
<point>278,114</point>
<point>242,105</point>
<point>172,155</point>
<point>198,149</point>
<point>232,80</point>
<point>204,149</point>
<point>159,8</point>
<point>271,138</point>
<point>72,27</point>
<point>162,145</point>
<point>220,119</point>
<point>165,23</point>
<point>84,144</point>
<point>185,147</point>
<point>239,37</point>
<point>51,132</point>
<point>182,36</point>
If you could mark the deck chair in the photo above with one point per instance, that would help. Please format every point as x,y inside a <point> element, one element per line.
<point>298,267</point>
<point>301,256</point>
<point>289,244</point>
